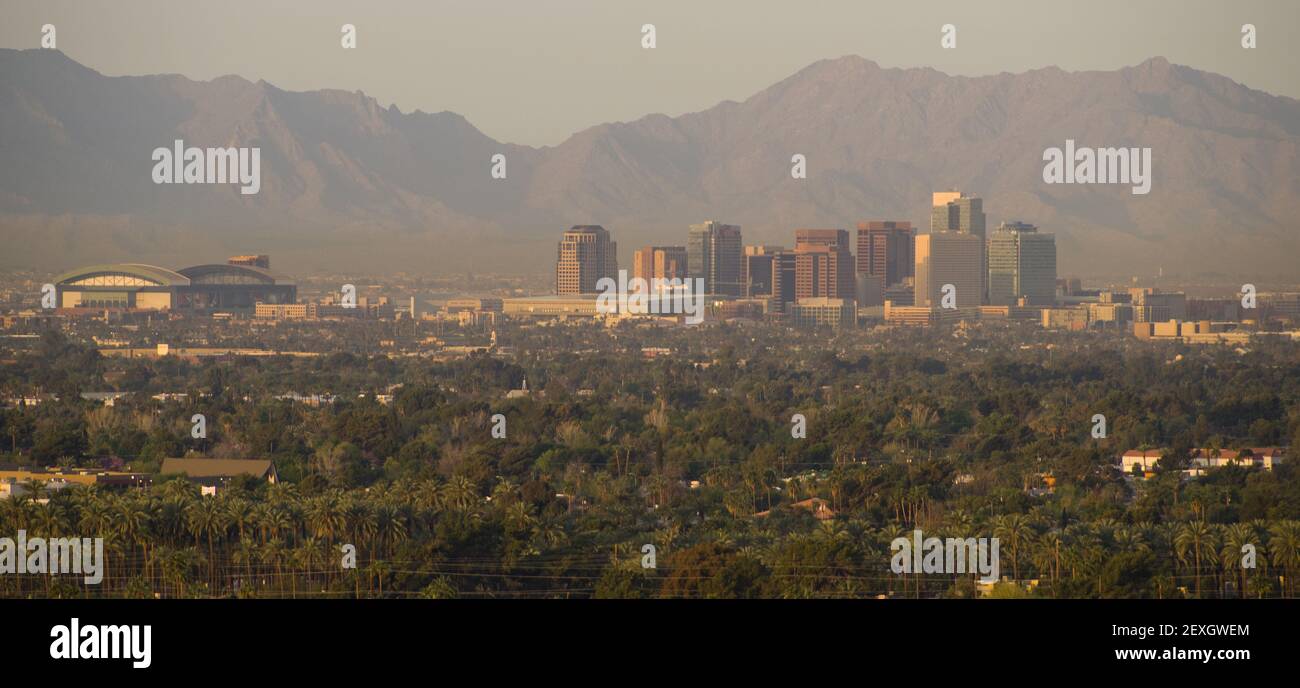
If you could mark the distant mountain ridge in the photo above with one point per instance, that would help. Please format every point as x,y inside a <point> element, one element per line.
<point>347,184</point>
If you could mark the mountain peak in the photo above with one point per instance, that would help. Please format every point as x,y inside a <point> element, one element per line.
<point>845,66</point>
<point>877,141</point>
<point>1156,66</point>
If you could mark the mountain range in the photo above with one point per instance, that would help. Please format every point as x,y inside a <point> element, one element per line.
<point>347,184</point>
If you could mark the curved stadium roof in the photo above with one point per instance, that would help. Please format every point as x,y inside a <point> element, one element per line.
<point>160,276</point>
<point>218,273</point>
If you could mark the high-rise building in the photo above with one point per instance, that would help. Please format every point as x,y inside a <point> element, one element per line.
<point>584,255</point>
<point>756,269</point>
<point>885,250</point>
<point>784,275</point>
<point>1022,264</point>
<point>823,264</point>
<point>954,258</point>
<point>713,253</point>
<point>663,262</point>
<point>954,211</point>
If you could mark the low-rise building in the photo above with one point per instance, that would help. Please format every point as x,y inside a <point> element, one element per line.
<point>551,306</point>
<point>1205,458</point>
<point>1256,457</point>
<point>1146,459</point>
<point>1065,318</point>
<point>823,311</point>
<point>1010,313</point>
<point>284,311</point>
<point>921,316</point>
<point>59,478</point>
<point>490,304</point>
<point>1120,314</point>
<point>220,471</point>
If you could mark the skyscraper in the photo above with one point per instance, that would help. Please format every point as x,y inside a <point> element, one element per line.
<point>713,253</point>
<point>954,258</point>
<point>954,211</point>
<point>756,269</point>
<point>663,262</point>
<point>823,264</point>
<point>584,255</point>
<point>783,280</point>
<point>1022,263</point>
<point>885,250</point>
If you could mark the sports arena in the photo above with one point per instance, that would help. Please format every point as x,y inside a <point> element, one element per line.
<point>240,282</point>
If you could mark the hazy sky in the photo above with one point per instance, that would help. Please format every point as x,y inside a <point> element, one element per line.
<point>536,71</point>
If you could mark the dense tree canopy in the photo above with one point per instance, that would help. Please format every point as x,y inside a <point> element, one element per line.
<point>960,433</point>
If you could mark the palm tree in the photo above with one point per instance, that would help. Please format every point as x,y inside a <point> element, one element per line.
<point>549,531</point>
<point>133,524</point>
<point>246,553</point>
<point>914,423</point>
<point>1047,554</point>
<point>1235,538</point>
<point>361,523</point>
<point>1130,539</point>
<point>96,518</point>
<point>325,517</point>
<point>273,554</point>
<point>240,514</point>
<point>1161,537</point>
<point>48,519</point>
<point>1194,537</point>
<point>460,494</point>
<point>389,527</point>
<point>278,523</point>
<point>170,520</point>
<point>378,570</point>
<point>519,516</point>
<point>1284,545</point>
<point>207,519</point>
<point>178,566</point>
<point>887,535</point>
<point>1014,530</point>
<point>309,555</point>
<point>259,520</point>
<point>428,495</point>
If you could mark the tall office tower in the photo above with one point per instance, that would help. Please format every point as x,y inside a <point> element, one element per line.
<point>756,269</point>
<point>713,253</point>
<point>949,258</point>
<point>663,262</point>
<point>784,269</point>
<point>954,211</point>
<point>885,250</point>
<point>584,255</point>
<point>823,264</point>
<point>757,274</point>
<point>1022,263</point>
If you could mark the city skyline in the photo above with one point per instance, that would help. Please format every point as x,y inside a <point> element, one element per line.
<point>1013,264</point>
<point>308,204</point>
<point>880,304</point>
